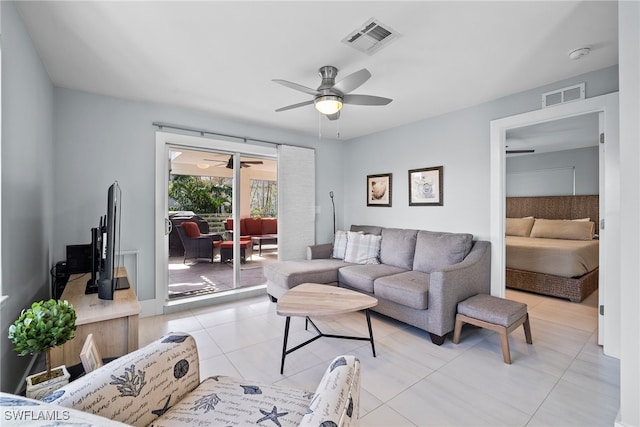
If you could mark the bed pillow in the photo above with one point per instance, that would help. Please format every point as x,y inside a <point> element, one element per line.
<point>563,229</point>
<point>362,248</point>
<point>339,244</point>
<point>519,226</point>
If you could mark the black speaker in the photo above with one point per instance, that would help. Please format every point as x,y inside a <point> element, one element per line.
<point>78,259</point>
<point>60,278</point>
<point>61,271</point>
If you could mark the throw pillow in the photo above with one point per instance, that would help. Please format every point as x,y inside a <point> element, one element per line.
<point>436,250</point>
<point>339,244</point>
<point>362,248</point>
<point>191,229</point>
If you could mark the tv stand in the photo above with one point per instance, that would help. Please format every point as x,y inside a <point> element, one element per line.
<point>113,323</point>
<point>92,288</point>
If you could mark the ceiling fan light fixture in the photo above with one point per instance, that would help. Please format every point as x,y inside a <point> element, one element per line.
<point>328,104</point>
<point>202,166</point>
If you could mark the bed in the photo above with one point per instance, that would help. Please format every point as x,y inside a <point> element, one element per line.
<point>551,245</point>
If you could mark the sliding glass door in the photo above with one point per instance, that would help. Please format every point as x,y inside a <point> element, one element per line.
<point>208,193</point>
<point>248,205</point>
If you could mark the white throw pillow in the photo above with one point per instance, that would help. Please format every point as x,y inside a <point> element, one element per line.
<point>339,244</point>
<point>362,248</point>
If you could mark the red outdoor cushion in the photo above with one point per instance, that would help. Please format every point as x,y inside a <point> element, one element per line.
<point>253,226</point>
<point>269,225</point>
<point>191,229</point>
<point>242,226</point>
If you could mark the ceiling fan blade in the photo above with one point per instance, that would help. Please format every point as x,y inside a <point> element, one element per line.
<point>334,116</point>
<point>352,81</point>
<point>296,86</point>
<point>299,104</point>
<point>519,151</point>
<point>252,162</point>
<point>365,100</point>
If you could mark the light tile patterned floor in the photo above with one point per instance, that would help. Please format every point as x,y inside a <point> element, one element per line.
<point>563,379</point>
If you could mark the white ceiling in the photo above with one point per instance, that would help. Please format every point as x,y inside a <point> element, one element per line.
<point>220,57</point>
<point>206,163</point>
<point>565,134</point>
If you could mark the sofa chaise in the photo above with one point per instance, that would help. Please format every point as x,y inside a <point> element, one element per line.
<point>418,276</point>
<point>159,385</point>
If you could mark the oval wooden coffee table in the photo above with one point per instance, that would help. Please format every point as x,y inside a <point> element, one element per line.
<point>313,299</point>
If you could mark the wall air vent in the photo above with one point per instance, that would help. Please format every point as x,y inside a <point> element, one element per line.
<point>560,96</point>
<point>371,37</point>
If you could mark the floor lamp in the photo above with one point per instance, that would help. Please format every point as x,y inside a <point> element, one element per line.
<point>334,211</point>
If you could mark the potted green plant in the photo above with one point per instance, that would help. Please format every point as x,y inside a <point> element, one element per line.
<point>43,326</point>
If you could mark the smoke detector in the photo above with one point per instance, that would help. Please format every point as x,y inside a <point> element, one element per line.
<point>579,53</point>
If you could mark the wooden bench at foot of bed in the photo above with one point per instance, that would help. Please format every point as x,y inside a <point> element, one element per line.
<point>574,289</point>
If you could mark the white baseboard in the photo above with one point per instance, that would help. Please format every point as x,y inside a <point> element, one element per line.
<point>619,423</point>
<point>154,307</point>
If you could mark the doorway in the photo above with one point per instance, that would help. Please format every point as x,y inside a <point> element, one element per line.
<point>201,195</point>
<point>210,181</point>
<point>607,107</point>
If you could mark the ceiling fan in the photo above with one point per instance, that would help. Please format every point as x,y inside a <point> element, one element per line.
<point>520,151</point>
<point>329,97</point>
<point>243,163</point>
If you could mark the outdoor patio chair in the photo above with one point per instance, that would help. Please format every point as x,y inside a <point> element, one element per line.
<point>197,245</point>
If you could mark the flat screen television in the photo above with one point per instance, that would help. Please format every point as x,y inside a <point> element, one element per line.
<point>105,247</point>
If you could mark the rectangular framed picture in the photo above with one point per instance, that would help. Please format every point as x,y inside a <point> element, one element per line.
<point>379,190</point>
<point>89,355</point>
<point>425,186</point>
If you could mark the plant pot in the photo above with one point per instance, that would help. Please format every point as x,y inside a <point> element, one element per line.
<point>42,389</point>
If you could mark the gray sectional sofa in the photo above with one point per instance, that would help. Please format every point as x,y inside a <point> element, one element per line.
<point>418,276</point>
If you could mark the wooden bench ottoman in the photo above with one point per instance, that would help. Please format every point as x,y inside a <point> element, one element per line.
<point>497,314</point>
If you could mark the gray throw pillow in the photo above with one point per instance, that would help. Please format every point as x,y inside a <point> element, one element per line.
<point>435,250</point>
<point>397,247</point>
<point>367,229</point>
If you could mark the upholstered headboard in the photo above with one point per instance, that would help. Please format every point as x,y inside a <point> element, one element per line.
<point>555,207</point>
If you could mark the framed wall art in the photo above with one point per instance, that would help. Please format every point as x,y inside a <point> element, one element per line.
<point>379,190</point>
<point>89,355</point>
<point>425,186</point>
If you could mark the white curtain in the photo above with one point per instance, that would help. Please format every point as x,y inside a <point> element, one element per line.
<point>296,201</point>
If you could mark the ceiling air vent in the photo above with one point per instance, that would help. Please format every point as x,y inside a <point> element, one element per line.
<point>560,96</point>
<point>371,37</point>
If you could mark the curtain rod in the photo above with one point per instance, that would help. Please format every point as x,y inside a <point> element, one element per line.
<point>204,132</point>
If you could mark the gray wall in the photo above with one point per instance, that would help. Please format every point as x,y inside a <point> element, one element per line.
<point>100,139</point>
<point>584,160</point>
<point>458,141</point>
<point>27,184</point>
